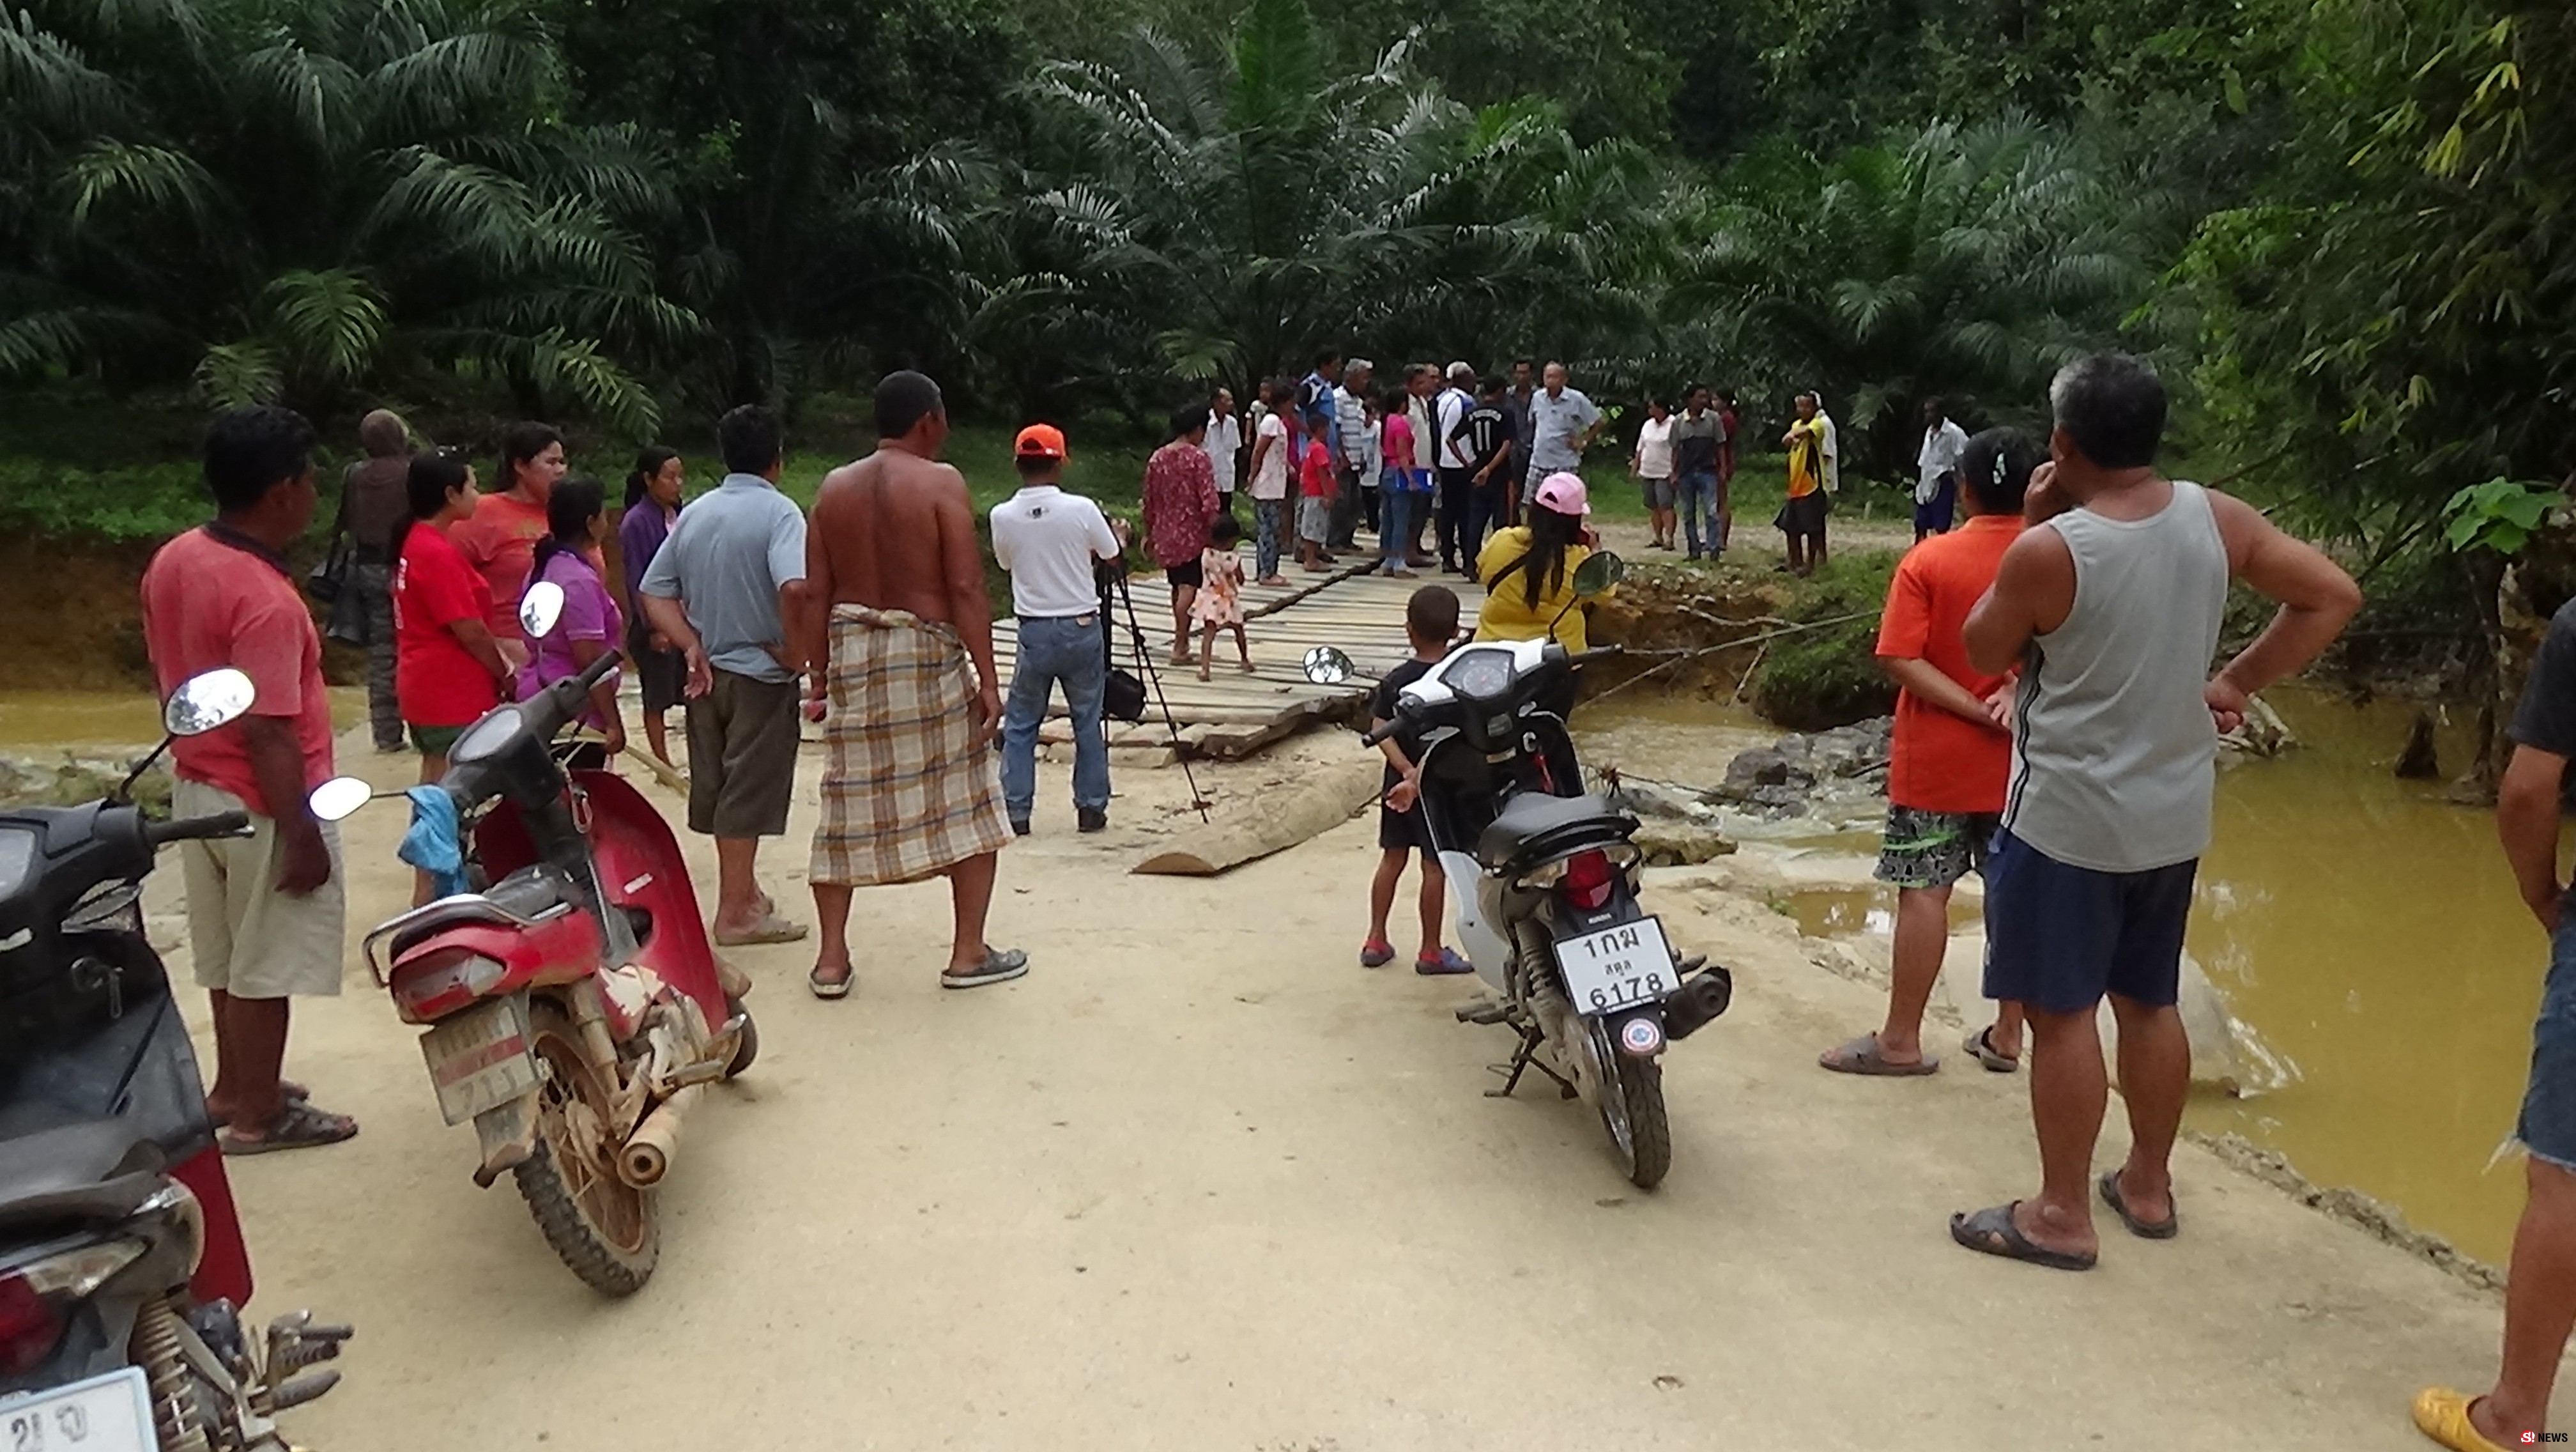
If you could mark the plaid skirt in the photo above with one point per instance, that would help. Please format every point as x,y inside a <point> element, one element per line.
<point>909,788</point>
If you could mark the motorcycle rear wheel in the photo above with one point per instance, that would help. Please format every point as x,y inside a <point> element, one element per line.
<point>749,1049</point>
<point>600,1227</point>
<point>1632,1110</point>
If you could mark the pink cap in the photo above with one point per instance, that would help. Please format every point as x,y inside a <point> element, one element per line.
<point>1563,494</point>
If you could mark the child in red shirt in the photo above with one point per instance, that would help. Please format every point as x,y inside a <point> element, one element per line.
<point>1317,483</point>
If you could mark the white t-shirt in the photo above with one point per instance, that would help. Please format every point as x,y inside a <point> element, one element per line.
<point>1938,456</point>
<point>1223,445</point>
<point>1270,477</point>
<point>1456,452</point>
<point>1048,539</point>
<point>1655,448</point>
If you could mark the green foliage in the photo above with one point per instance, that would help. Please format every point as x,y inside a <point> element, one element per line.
<point>143,502</point>
<point>1829,676</point>
<point>2498,515</point>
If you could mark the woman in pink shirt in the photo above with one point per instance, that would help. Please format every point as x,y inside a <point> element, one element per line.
<point>1395,486</point>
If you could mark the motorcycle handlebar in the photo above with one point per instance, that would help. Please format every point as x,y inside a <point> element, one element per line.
<point>1599,652</point>
<point>1376,734</point>
<point>186,829</point>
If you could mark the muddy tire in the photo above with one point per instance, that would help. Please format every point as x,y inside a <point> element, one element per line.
<point>1646,1150</point>
<point>749,1049</point>
<point>598,1225</point>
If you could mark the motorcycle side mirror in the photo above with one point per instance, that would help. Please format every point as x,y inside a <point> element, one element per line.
<point>205,702</point>
<point>339,797</point>
<point>540,608</point>
<point>1326,666</point>
<point>1598,573</point>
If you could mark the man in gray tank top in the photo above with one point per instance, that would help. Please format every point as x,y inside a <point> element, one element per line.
<point>2109,608</point>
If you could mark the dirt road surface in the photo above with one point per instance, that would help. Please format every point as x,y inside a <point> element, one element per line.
<point>1200,1182</point>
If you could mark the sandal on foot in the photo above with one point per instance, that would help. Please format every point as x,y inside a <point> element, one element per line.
<point>1376,953</point>
<point>1000,965</point>
<point>770,929</point>
<point>1991,1231</point>
<point>2165,1229</point>
<point>2443,1415</point>
<point>1447,963</point>
<point>288,1091</point>
<point>831,988</point>
<point>298,1125</point>
<point>1983,1047</point>
<point>1862,1056</point>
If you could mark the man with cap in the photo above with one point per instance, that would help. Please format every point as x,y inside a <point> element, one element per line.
<point>900,632</point>
<point>1051,542</point>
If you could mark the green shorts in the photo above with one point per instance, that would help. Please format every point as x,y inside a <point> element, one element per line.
<point>1934,849</point>
<point>436,740</point>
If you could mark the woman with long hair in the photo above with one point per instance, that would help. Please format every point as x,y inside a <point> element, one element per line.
<point>591,624</point>
<point>1529,570</point>
<point>652,507</point>
<point>448,667</point>
<point>500,541</point>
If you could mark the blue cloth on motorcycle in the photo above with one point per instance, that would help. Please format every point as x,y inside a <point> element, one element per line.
<point>434,843</point>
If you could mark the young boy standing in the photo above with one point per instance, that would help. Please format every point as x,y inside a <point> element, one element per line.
<point>1318,481</point>
<point>1431,624</point>
<point>1953,748</point>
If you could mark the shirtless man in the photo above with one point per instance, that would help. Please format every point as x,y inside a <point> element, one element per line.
<point>900,622</point>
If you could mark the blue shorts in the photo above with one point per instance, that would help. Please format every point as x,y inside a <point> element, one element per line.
<point>2547,1128</point>
<point>1936,513</point>
<point>2060,937</point>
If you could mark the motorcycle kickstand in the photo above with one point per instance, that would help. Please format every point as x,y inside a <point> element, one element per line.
<point>1524,1060</point>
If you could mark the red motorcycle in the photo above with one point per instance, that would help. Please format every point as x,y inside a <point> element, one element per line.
<point>574,1009</point>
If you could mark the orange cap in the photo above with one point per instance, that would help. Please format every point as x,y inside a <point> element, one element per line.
<point>1039,441</point>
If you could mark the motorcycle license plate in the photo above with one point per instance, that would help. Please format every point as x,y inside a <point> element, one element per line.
<point>1618,967</point>
<point>111,1413</point>
<point>480,1059</point>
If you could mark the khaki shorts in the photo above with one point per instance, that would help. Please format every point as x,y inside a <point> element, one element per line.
<point>743,736</point>
<point>249,939</point>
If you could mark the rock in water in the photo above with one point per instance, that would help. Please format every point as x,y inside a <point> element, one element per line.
<point>1680,844</point>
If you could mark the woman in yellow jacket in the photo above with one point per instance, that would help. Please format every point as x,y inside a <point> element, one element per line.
<point>1528,572</point>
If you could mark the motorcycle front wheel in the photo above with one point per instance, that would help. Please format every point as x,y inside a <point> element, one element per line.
<point>1632,1110</point>
<point>600,1226</point>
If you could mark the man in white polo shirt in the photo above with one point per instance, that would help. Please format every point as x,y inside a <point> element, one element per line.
<point>1050,540</point>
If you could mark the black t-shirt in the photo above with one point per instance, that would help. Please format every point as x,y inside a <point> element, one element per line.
<point>1488,428</point>
<point>2546,719</point>
<point>1382,708</point>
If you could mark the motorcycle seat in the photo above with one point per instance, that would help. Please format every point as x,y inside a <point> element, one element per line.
<point>96,1169</point>
<point>1529,818</point>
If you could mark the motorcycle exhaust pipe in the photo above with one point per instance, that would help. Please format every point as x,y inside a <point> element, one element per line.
<point>646,1157</point>
<point>1701,998</point>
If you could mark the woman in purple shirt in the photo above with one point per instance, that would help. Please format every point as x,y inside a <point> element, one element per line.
<point>591,624</point>
<point>652,503</point>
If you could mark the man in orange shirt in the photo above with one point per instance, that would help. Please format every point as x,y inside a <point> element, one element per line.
<point>1945,781</point>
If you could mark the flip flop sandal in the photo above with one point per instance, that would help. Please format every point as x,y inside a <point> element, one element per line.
<point>2165,1229</point>
<point>831,988</point>
<point>2443,1415</point>
<point>1376,953</point>
<point>1447,963</point>
<point>1861,1056</point>
<point>772,929</point>
<point>289,1092</point>
<point>298,1126</point>
<point>1984,1048</point>
<point>1000,965</point>
<point>1991,1231</point>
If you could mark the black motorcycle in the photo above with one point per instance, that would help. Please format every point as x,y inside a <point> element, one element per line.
<point>1543,876</point>
<point>114,1210</point>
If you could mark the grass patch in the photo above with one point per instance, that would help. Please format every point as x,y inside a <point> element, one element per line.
<point>1819,679</point>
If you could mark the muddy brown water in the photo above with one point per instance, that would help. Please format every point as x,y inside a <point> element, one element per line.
<point>42,721</point>
<point>2363,929</point>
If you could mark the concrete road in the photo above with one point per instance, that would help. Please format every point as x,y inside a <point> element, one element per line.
<point>1200,1182</point>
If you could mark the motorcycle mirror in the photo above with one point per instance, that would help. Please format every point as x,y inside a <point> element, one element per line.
<point>1326,666</point>
<point>339,797</point>
<point>1599,572</point>
<point>540,608</point>
<point>208,701</point>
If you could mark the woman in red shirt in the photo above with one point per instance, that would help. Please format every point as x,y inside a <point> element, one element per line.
<point>499,536</point>
<point>448,667</point>
<point>1180,503</point>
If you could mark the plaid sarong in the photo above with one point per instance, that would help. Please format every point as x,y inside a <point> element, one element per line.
<point>908,788</point>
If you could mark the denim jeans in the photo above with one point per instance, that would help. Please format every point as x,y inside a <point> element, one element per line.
<point>1395,522</point>
<point>1073,654</point>
<point>1269,533</point>
<point>1698,501</point>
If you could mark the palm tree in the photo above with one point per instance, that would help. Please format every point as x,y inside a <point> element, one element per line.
<point>294,201</point>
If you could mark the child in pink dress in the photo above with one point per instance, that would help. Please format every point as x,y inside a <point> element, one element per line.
<point>1220,602</point>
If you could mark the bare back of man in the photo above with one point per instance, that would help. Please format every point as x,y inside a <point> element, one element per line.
<point>894,534</point>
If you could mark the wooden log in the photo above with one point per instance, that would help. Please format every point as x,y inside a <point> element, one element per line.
<point>1321,801</point>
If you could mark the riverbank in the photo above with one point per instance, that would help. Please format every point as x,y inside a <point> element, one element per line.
<point>1200,1181</point>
